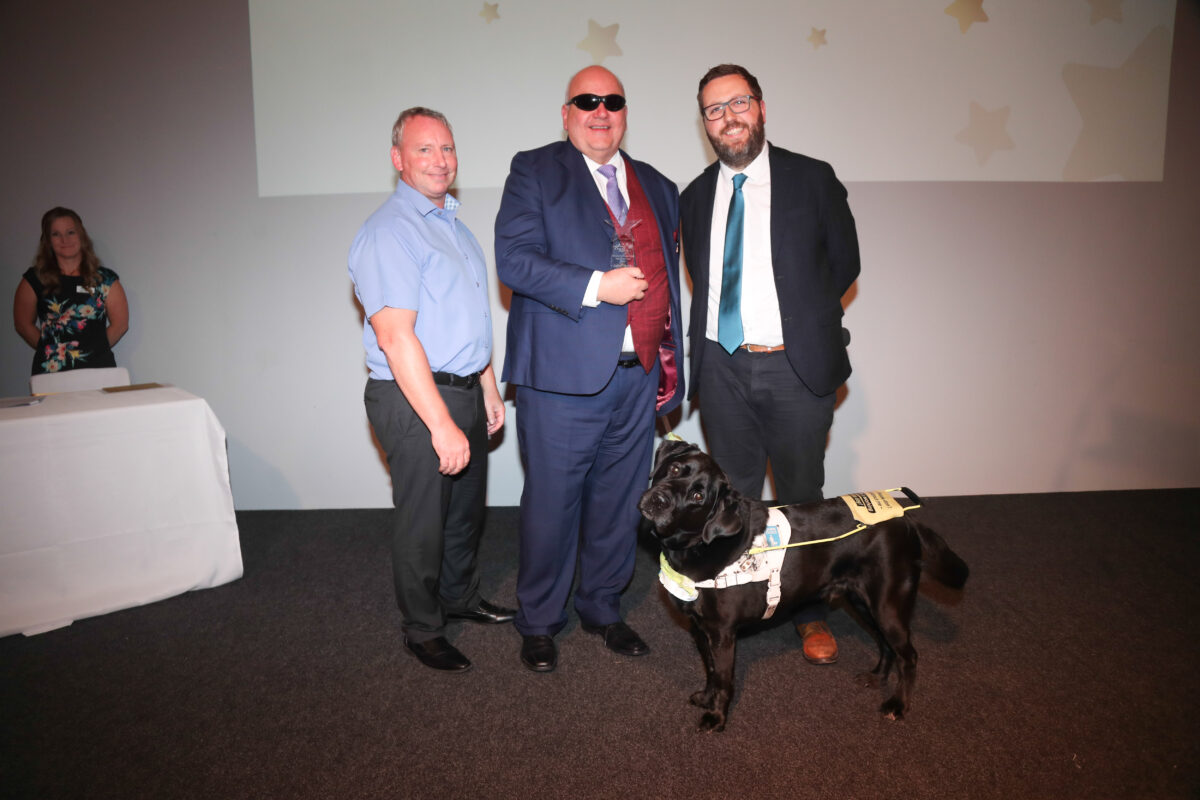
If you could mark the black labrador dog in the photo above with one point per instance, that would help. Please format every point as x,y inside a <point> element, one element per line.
<point>704,525</point>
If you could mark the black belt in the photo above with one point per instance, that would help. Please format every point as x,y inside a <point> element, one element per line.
<point>450,379</point>
<point>625,362</point>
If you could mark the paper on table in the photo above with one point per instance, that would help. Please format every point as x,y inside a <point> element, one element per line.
<point>17,402</point>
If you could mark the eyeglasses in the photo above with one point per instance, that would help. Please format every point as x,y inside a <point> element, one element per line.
<point>590,102</point>
<point>737,105</point>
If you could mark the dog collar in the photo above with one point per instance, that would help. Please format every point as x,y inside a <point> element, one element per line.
<point>676,582</point>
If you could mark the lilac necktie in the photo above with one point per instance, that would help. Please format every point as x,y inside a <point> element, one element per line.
<point>616,202</point>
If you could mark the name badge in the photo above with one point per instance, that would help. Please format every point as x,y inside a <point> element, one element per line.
<point>772,536</point>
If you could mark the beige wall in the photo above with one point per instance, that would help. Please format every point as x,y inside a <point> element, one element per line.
<point>1008,337</point>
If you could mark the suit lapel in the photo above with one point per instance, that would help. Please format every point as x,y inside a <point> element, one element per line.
<point>780,184</point>
<point>587,206</point>
<point>651,192</point>
<point>702,220</point>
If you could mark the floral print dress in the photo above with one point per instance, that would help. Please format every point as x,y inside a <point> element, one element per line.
<point>74,323</point>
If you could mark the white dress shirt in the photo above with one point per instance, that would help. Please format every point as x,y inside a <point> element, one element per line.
<point>761,322</point>
<point>591,297</point>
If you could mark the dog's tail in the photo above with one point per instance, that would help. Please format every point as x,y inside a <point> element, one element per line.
<point>939,560</point>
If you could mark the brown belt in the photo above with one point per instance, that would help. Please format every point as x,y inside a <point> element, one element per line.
<point>762,348</point>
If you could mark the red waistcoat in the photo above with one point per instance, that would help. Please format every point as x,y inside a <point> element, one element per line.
<point>649,318</point>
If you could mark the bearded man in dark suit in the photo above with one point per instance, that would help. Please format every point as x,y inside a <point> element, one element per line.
<point>771,247</point>
<point>586,238</point>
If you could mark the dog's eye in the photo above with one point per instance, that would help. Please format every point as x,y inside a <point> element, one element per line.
<point>697,496</point>
<point>674,469</point>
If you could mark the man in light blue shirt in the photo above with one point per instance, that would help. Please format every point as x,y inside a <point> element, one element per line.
<point>431,397</point>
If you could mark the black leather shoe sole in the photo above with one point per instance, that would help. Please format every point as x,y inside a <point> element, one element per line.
<point>539,653</point>
<point>486,614</point>
<point>439,654</point>
<point>620,638</point>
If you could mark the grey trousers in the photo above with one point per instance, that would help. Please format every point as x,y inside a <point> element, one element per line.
<point>755,409</point>
<point>438,518</point>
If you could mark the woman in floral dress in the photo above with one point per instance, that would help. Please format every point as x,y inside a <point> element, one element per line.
<point>69,308</point>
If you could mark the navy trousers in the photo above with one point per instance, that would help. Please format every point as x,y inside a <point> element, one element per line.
<point>587,461</point>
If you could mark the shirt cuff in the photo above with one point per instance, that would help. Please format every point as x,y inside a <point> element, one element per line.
<point>591,298</point>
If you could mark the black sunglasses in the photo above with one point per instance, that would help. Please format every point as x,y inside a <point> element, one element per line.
<point>590,102</point>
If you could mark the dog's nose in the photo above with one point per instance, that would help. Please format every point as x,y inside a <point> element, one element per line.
<point>651,501</point>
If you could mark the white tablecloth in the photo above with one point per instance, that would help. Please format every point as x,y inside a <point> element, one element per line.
<point>110,500</point>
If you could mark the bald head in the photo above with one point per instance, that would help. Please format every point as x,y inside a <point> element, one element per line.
<point>590,73</point>
<point>596,133</point>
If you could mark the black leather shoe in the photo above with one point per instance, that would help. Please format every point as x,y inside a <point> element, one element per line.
<point>539,653</point>
<point>439,654</point>
<point>485,612</point>
<point>620,638</point>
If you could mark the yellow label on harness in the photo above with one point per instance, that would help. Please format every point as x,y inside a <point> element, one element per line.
<point>872,507</point>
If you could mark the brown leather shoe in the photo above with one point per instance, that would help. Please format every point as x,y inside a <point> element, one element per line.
<point>819,645</point>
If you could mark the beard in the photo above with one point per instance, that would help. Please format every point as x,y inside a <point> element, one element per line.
<point>739,157</point>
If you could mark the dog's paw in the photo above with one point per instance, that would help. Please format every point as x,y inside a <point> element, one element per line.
<point>702,698</point>
<point>868,680</point>
<point>712,723</point>
<point>892,708</point>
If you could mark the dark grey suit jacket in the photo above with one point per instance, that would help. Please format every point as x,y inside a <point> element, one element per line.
<point>814,249</point>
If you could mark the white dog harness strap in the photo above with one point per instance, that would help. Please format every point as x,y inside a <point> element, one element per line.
<point>762,562</point>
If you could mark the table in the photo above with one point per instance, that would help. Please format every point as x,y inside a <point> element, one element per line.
<point>110,499</point>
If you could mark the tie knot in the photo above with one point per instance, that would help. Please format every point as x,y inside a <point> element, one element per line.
<point>607,170</point>
<point>738,180</point>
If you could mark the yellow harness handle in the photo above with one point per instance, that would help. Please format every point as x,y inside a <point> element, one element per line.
<point>861,526</point>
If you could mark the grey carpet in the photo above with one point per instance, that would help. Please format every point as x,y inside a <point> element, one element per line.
<point>1066,669</point>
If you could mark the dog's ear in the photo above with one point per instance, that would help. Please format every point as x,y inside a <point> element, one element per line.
<point>670,448</point>
<point>726,519</point>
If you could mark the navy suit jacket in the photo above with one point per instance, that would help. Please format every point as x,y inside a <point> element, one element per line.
<point>552,232</point>
<point>814,250</point>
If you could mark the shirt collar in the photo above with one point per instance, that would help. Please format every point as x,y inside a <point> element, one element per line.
<point>616,160</point>
<point>757,171</point>
<point>423,205</point>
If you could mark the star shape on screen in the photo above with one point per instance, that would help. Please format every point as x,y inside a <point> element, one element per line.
<point>817,37</point>
<point>966,12</point>
<point>1105,9</point>
<point>490,12</point>
<point>985,132</point>
<point>1124,129</point>
<point>601,41</point>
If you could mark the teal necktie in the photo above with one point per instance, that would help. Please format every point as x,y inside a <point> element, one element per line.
<point>729,316</point>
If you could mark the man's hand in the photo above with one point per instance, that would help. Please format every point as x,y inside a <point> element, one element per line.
<point>493,404</point>
<point>395,329</point>
<point>453,450</point>
<point>621,286</point>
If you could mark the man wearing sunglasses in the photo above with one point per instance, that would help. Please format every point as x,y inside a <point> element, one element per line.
<point>586,238</point>
<point>771,247</point>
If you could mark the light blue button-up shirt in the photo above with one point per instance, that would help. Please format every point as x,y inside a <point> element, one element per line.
<point>412,255</point>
